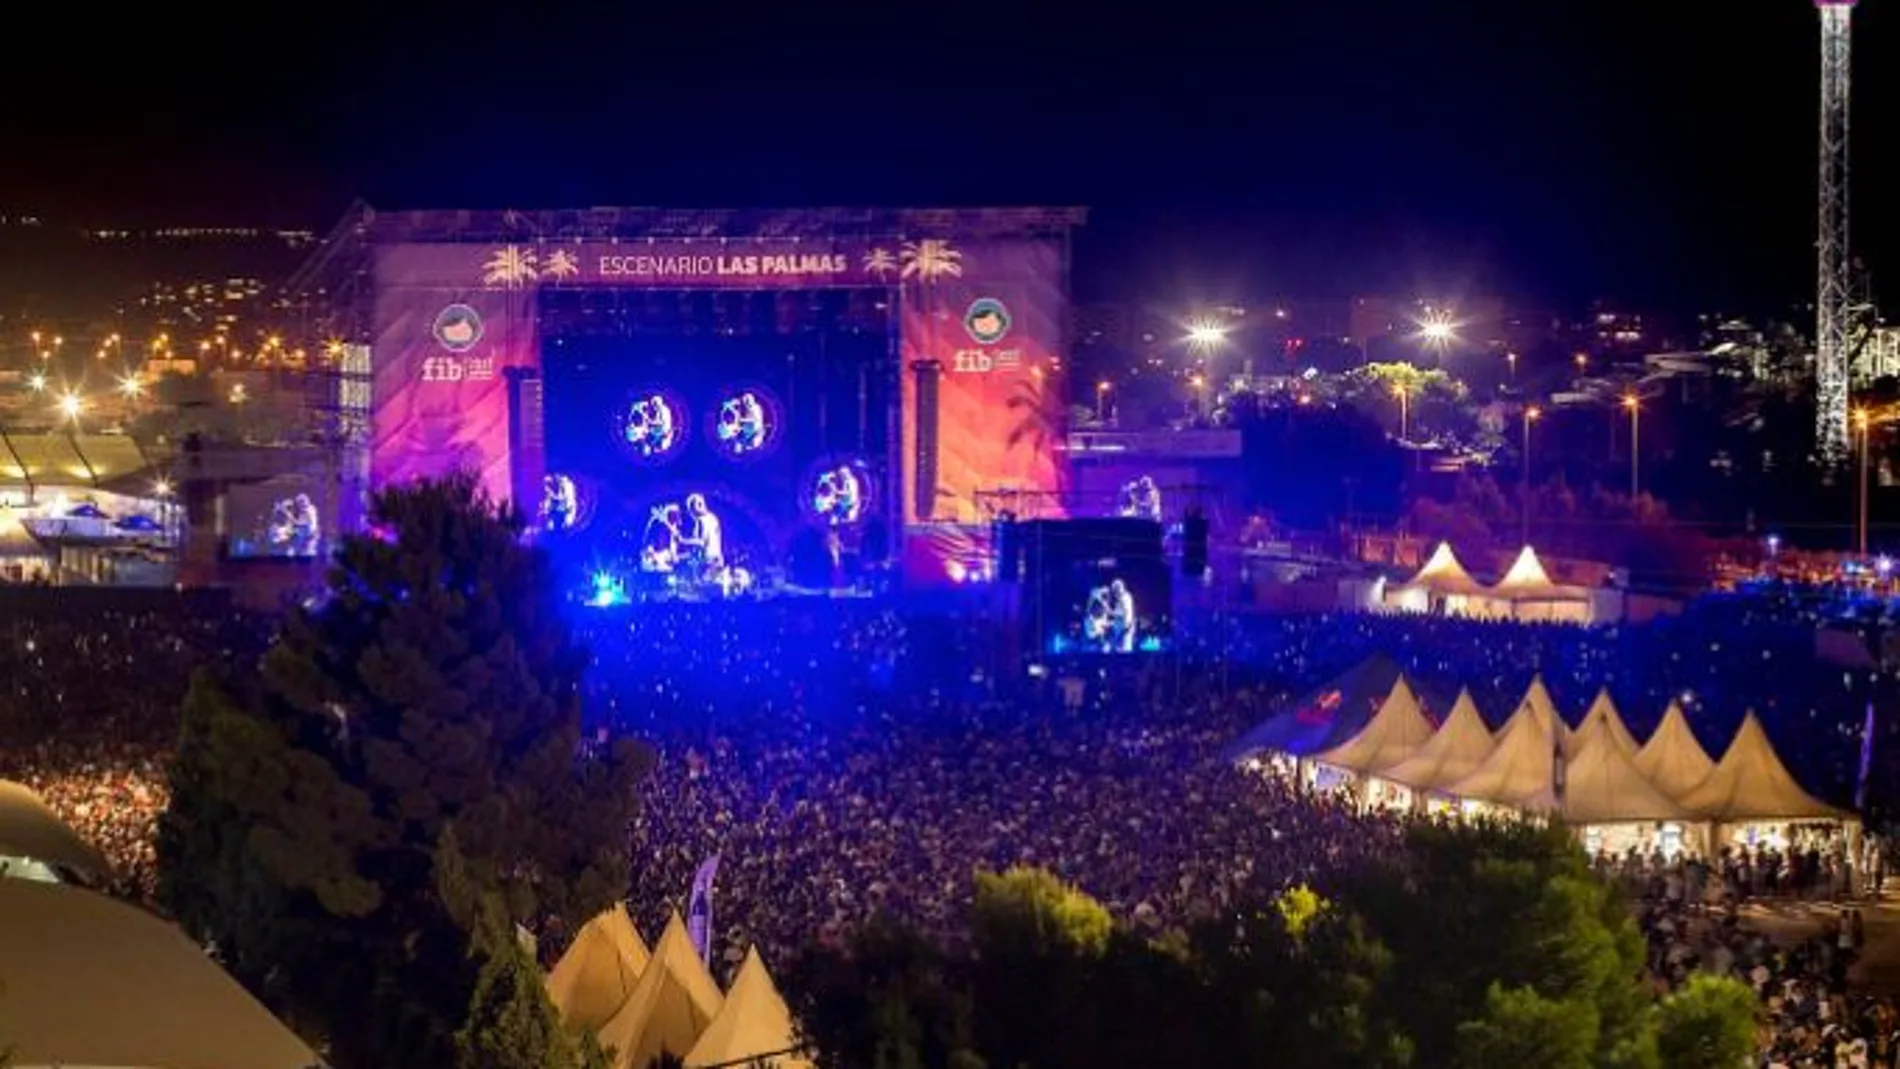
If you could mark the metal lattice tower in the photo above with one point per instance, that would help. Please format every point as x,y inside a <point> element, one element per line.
<point>1832,312</point>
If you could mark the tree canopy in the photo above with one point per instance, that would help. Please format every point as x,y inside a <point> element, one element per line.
<point>1476,947</point>
<point>430,702</point>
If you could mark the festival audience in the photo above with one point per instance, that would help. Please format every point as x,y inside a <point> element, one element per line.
<point>1694,918</point>
<point>842,759</point>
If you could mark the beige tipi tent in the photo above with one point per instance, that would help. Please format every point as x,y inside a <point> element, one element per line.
<point>599,971</point>
<point>1521,772</point>
<point>669,1009</point>
<point>1455,751</point>
<point>1672,759</point>
<point>1602,786</point>
<point>755,1023</point>
<point>1751,784</point>
<point>1603,713</point>
<point>1442,585</point>
<point>1527,589</point>
<point>1397,730</point>
<point>1537,698</point>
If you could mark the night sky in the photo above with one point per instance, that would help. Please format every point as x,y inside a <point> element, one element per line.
<point>1552,151</point>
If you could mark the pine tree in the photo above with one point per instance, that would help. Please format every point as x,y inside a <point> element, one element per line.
<point>434,689</point>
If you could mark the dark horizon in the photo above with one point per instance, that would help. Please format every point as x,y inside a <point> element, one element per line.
<point>1553,154</point>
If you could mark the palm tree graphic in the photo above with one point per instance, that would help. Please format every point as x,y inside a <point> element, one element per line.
<point>560,265</point>
<point>511,266</point>
<point>879,263</point>
<point>929,260</point>
<point>1036,420</point>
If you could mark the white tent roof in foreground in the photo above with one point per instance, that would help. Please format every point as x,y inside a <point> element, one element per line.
<point>1522,771</point>
<point>1544,707</point>
<point>1751,783</point>
<point>1603,712</point>
<point>1672,759</point>
<point>599,971</point>
<point>755,1023</point>
<point>95,982</point>
<point>29,828</point>
<point>670,1008</point>
<point>1457,750</point>
<point>1397,730</point>
<point>1602,785</point>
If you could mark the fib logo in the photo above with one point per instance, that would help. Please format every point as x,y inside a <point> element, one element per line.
<point>987,321</point>
<point>457,328</point>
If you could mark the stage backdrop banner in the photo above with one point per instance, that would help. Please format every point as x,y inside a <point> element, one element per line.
<point>443,345</point>
<point>981,329</point>
<point>982,336</point>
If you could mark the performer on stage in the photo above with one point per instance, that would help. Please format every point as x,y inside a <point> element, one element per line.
<point>704,537</point>
<point>1109,620</point>
<point>1141,499</point>
<point>661,553</point>
<point>838,497</point>
<point>558,502</point>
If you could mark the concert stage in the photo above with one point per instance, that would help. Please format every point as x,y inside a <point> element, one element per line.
<point>714,403</point>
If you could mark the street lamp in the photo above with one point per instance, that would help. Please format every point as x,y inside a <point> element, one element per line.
<point>1583,363</point>
<point>1206,335</point>
<point>1511,359</point>
<point>1437,332</point>
<point>1863,422</point>
<point>1635,406</point>
<point>1405,410</point>
<point>71,405</point>
<point>1531,415</point>
<point>1101,400</point>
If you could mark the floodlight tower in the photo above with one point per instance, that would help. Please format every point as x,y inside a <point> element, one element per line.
<point>1831,311</point>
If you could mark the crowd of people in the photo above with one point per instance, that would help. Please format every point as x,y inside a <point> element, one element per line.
<point>845,759</point>
<point>90,693</point>
<point>1798,960</point>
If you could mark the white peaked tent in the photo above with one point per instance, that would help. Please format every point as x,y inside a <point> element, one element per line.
<point>1751,784</point>
<point>1396,731</point>
<point>1672,759</point>
<point>1603,712</point>
<point>1521,772</point>
<point>669,1009</point>
<point>755,1023</point>
<point>1455,751</point>
<point>1603,786</point>
<point>1532,596</point>
<point>1526,575</point>
<point>1442,585</point>
<point>1537,698</point>
<point>599,971</point>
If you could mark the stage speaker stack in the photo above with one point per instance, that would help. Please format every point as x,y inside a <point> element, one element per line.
<point>1194,544</point>
<point>1006,534</point>
<point>527,438</point>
